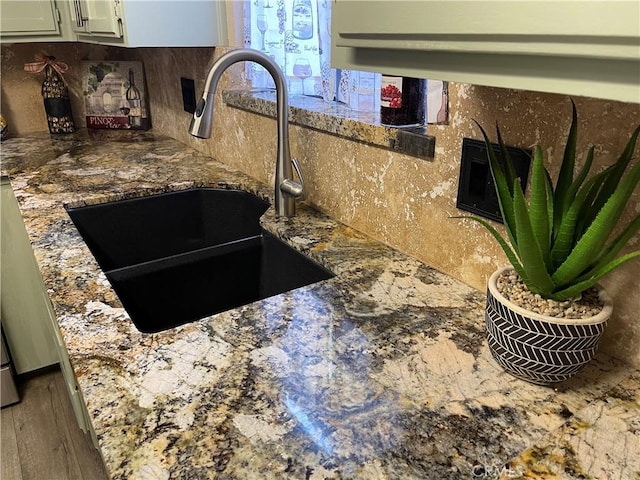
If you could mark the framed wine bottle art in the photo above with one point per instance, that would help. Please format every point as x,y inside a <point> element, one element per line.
<point>115,95</point>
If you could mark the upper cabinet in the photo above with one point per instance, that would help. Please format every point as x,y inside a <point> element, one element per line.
<point>34,21</point>
<point>161,23</point>
<point>128,23</point>
<point>566,46</point>
<point>97,18</point>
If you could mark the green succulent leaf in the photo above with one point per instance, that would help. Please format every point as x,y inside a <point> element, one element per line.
<point>575,289</point>
<point>578,182</point>
<point>567,236</point>
<point>565,176</point>
<point>528,249</point>
<point>614,247</point>
<point>587,213</point>
<point>539,207</point>
<point>610,185</point>
<point>507,164</point>
<point>550,205</point>
<point>503,190</point>
<point>595,237</point>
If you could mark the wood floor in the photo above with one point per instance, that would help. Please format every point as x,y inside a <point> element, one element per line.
<point>41,439</point>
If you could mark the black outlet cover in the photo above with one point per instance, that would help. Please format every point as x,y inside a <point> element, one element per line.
<point>188,94</point>
<point>476,191</point>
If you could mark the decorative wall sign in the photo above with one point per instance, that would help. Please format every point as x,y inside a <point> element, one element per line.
<point>114,95</point>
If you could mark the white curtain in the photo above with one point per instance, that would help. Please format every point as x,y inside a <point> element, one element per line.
<point>296,35</point>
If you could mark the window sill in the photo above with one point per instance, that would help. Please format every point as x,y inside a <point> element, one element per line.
<point>335,119</point>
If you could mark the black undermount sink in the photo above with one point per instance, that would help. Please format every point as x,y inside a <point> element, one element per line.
<point>177,257</point>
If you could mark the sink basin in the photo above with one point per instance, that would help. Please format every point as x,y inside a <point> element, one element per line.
<point>178,257</point>
<point>176,290</point>
<point>137,230</point>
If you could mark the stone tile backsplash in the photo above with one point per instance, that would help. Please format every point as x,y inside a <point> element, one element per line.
<point>403,200</point>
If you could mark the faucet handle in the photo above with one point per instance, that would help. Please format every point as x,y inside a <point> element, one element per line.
<point>296,167</point>
<point>291,187</point>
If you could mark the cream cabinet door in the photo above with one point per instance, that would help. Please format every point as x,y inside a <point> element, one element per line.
<point>25,315</point>
<point>201,23</point>
<point>34,21</point>
<point>28,18</point>
<point>143,23</point>
<point>564,46</point>
<point>97,17</point>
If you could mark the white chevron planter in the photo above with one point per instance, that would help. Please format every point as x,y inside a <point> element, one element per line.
<point>538,348</point>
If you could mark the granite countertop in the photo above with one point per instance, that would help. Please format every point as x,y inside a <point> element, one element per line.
<point>380,372</point>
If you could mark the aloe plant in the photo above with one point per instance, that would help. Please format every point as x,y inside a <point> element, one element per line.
<point>559,243</point>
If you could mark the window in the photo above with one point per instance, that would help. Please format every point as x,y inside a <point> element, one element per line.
<point>296,35</point>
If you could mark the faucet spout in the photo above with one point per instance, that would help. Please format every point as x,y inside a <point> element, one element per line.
<point>286,189</point>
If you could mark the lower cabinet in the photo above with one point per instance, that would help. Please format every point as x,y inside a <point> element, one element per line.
<point>28,318</point>
<point>75,395</point>
<point>25,317</point>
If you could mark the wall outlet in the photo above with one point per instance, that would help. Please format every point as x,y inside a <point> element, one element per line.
<point>188,86</point>
<point>476,191</point>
